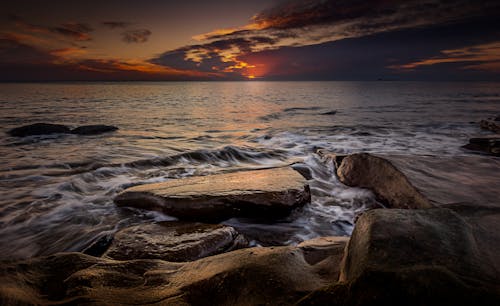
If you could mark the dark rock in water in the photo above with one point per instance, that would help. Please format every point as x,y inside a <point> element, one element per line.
<point>419,257</point>
<point>99,246</point>
<point>489,144</point>
<point>267,193</point>
<point>303,170</point>
<point>490,125</point>
<point>497,118</point>
<point>255,276</point>
<point>39,129</point>
<point>329,113</point>
<point>388,183</point>
<point>93,129</point>
<point>174,241</point>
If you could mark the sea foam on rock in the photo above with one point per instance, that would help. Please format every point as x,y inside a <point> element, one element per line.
<point>266,193</point>
<point>174,241</point>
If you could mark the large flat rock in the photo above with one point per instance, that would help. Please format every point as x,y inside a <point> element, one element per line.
<point>174,241</point>
<point>260,193</point>
<point>255,276</point>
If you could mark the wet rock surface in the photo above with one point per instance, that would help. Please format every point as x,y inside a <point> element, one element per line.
<point>389,184</point>
<point>488,144</point>
<point>260,193</point>
<point>49,128</point>
<point>39,129</point>
<point>255,276</point>
<point>426,257</point>
<point>93,129</point>
<point>174,241</point>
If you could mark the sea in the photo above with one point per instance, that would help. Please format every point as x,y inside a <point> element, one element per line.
<point>56,191</point>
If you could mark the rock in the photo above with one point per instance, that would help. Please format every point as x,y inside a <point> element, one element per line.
<point>491,125</point>
<point>419,257</point>
<point>255,276</point>
<point>489,144</point>
<point>267,193</point>
<point>335,158</point>
<point>39,129</point>
<point>174,241</point>
<point>329,113</point>
<point>93,129</point>
<point>389,184</point>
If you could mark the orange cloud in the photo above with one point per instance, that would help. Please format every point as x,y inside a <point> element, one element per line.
<point>486,56</point>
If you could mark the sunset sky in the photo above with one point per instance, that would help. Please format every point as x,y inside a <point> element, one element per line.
<point>250,40</point>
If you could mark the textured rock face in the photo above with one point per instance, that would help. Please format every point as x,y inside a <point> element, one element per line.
<point>256,276</point>
<point>261,193</point>
<point>93,129</point>
<point>174,241</point>
<point>420,257</point>
<point>389,184</point>
<point>39,129</point>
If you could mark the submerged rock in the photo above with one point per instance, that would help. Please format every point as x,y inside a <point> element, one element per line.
<point>389,184</point>
<point>491,125</point>
<point>93,129</point>
<point>419,257</point>
<point>255,276</point>
<point>39,129</point>
<point>267,193</point>
<point>489,144</point>
<point>174,241</point>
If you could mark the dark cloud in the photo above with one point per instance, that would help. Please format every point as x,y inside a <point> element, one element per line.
<point>303,23</point>
<point>12,51</point>
<point>75,31</point>
<point>116,24</point>
<point>136,36</point>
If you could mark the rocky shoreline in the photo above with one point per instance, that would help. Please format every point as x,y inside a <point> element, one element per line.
<point>424,248</point>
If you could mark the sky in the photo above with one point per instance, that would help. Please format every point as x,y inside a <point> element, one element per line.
<point>250,40</point>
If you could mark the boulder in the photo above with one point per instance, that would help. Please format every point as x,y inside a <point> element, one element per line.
<point>489,144</point>
<point>419,257</point>
<point>490,125</point>
<point>39,129</point>
<point>267,193</point>
<point>255,276</point>
<point>174,241</point>
<point>390,185</point>
<point>93,129</point>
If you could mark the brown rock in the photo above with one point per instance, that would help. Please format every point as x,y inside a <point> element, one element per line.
<point>256,276</point>
<point>419,257</point>
<point>490,125</point>
<point>174,241</point>
<point>261,193</point>
<point>388,183</point>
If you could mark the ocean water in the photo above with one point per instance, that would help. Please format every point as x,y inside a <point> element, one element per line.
<point>56,192</point>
